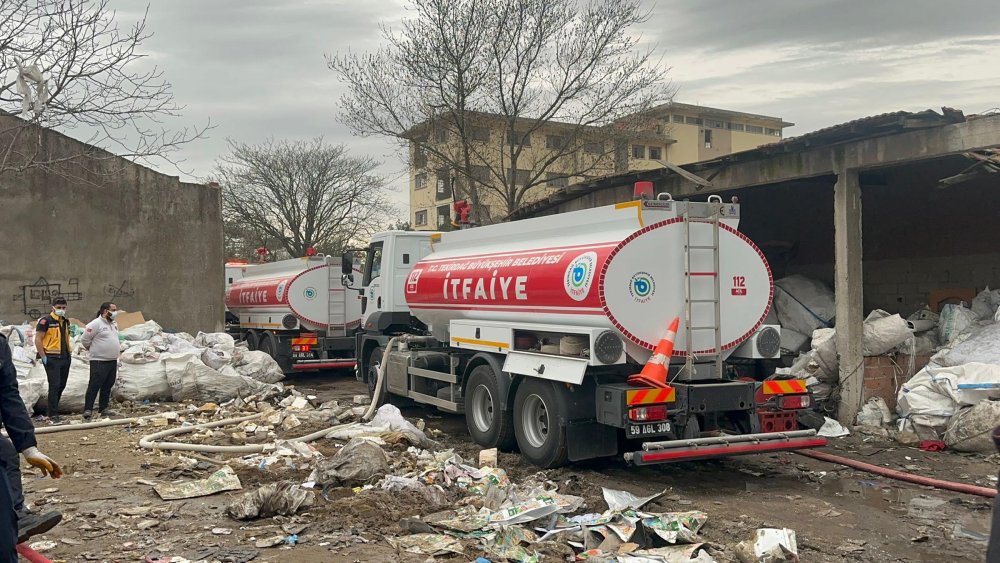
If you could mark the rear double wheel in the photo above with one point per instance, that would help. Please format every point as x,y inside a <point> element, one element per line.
<point>539,408</point>
<point>490,425</point>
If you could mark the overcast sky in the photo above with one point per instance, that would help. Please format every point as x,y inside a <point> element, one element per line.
<point>256,68</point>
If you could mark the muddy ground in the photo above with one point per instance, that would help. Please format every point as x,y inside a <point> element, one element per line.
<point>839,514</point>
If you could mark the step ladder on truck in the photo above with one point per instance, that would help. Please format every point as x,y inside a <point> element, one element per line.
<point>539,330</point>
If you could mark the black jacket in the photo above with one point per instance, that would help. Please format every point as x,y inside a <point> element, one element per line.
<point>12,412</point>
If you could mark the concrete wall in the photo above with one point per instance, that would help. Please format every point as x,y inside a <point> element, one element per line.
<point>106,229</point>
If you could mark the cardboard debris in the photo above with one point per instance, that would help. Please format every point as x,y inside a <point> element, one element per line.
<point>222,480</point>
<point>128,320</point>
<point>676,527</point>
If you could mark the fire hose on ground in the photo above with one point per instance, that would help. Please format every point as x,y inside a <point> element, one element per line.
<point>901,475</point>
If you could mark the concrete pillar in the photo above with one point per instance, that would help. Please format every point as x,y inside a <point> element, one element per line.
<point>849,292</point>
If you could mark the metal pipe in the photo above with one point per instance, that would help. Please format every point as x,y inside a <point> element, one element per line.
<point>728,439</point>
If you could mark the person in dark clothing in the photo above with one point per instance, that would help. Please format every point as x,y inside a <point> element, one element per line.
<point>52,345</point>
<point>29,522</point>
<point>21,436</point>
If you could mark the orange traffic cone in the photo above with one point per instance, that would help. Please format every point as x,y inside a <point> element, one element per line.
<point>655,371</point>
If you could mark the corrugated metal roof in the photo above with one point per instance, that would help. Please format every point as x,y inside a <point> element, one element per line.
<point>863,128</point>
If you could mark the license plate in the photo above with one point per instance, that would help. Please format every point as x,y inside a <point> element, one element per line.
<point>650,429</point>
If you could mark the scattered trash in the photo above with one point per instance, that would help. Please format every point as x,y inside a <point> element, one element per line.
<point>222,480</point>
<point>488,458</point>
<point>621,500</point>
<point>222,531</point>
<point>271,541</point>
<point>970,429</point>
<point>676,527</point>
<point>769,545</point>
<point>427,544</point>
<point>932,445</point>
<point>875,413</point>
<point>832,429</point>
<point>281,498</point>
<point>852,546</point>
<point>41,546</point>
<point>357,463</point>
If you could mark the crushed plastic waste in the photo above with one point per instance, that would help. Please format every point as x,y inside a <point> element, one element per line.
<point>283,498</point>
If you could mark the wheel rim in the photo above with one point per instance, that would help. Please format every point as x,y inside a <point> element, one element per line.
<point>535,421</point>
<point>482,408</point>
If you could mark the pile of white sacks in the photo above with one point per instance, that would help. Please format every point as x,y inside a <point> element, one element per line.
<point>154,366</point>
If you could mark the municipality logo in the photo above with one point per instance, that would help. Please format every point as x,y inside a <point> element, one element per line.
<point>642,287</point>
<point>310,293</point>
<point>579,275</point>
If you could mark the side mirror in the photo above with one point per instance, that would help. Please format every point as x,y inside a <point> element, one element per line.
<point>347,280</point>
<point>347,263</point>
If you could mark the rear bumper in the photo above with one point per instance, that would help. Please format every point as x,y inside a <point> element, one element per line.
<point>324,365</point>
<point>724,446</point>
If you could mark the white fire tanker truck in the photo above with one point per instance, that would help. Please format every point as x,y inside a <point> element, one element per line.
<point>297,311</point>
<point>533,328</point>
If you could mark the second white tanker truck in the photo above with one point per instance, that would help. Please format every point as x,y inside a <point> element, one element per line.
<point>532,329</point>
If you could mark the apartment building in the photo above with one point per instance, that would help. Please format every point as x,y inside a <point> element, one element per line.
<point>677,133</point>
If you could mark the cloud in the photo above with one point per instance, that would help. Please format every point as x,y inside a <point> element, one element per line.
<point>257,67</point>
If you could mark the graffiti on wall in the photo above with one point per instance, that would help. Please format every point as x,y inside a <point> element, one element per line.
<point>36,297</point>
<point>119,291</point>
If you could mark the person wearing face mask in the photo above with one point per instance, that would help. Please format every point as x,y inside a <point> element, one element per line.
<point>100,338</point>
<point>52,345</point>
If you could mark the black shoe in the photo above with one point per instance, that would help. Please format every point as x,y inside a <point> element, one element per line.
<point>108,413</point>
<point>31,524</point>
<point>87,415</point>
<point>55,419</point>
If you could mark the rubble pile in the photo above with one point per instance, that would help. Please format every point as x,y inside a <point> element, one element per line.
<point>154,366</point>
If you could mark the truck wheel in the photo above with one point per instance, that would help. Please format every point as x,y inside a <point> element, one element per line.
<point>489,425</point>
<point>268,344</point>
<point>252,339</point>
<point>537,412</point>
<point>374,361</point>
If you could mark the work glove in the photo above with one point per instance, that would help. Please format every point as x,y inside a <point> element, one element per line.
<point>43,462</point>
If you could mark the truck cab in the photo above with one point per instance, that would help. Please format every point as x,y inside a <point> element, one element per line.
<point>388,259</point>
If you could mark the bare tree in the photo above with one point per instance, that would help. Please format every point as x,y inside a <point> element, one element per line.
<point>301,194</point>
<point>459,69</point>
<point>67,65</point>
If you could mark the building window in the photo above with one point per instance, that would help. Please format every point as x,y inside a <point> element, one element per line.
<point>556,180</point>
<point>444,216</point>
<point>518,138</point>
<point>754,129</point>
<point>479,134</point>
<point>479,173</point>
<point>521,177</point>
<point>595,147</point>
<point>420,181</point>
<point>554,141</point>
<point>419,157</point>
<point>715,123</point>
<point>692,120</point>
<point>773,132</point>
<point>734,126</point>
<point>420,219</point>
<point>443,185</point>
<point>638,151</point>
<point>655,153</point>
<point>441,135</point>
<point>678,119</point>
<point>708,138</point>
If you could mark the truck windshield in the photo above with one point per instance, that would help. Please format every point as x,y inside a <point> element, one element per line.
<point>373,264</point>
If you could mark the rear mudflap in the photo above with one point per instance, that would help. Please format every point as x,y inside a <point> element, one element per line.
<point>724,446</point>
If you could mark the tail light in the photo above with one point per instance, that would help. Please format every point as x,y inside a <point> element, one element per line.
<point>794,402</point>
<point>648,414</point>
<point>301,348</point>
